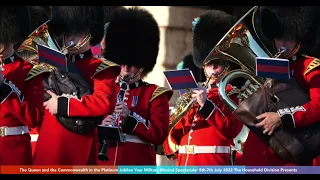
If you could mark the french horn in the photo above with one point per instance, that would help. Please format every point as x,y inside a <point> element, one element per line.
<point>241,45</point>
<point>28,49</point>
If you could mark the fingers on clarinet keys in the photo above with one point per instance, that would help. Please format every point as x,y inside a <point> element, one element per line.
<point>108,121</point>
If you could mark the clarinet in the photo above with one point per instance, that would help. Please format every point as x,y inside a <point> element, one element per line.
<point>103,155</point>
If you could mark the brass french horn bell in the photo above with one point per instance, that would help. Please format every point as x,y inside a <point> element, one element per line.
<point>28,49</point>
<point>241,45</point>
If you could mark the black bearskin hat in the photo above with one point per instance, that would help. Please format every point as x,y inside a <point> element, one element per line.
<point>38,16</point>
<point>187,63</point>
<point>311,45</point>
<point>76,19</point>
<point>14,24</point>
<point>133,38</point>
<point>288,22</point>
<point>108,11</point>
<point>240,11</point>
<point>208,31</point>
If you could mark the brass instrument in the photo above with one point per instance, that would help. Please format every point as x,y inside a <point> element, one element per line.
<point>241,45</point>
<point>184,104</point>
<point>28,49</point>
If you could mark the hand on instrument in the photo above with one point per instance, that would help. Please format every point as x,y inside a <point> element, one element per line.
<point>201,95</point>
<point>122,109</point>
<point>271,120</point>
<point>52,103</point>
<point>244,87</point>
<point>108,120</point>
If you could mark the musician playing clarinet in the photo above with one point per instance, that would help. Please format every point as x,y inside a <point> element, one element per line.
<point>288,29</point>
<point>80,27</point>
<point>204,136</point>
<point>21,89</point>
<point>132,41</point>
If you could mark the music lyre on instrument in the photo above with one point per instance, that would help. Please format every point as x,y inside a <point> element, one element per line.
<point>112,132</point>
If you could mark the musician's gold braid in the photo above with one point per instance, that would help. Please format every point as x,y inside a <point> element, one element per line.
<point>79,45</point>
<point>135,77</point>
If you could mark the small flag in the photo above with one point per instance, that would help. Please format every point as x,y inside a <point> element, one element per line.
<point>272,68</point>
<point>96,50</point>
<point>180,79</point>
<point>52,57</point>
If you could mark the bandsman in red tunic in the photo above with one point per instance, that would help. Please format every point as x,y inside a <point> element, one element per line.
<point>286,27</point>
<point>132,40</point>
<point>22,90</point>
<point>80,27</point>
<point>38,16</point>
<point>204,136</point>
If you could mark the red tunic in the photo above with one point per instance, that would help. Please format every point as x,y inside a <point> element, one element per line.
<point>23,110</point>
<point>213,126</point>
<point>58,146</point>
<point>256,153</point>
<point>34,138</point>
<point>150,102</point>
<point>316,161</point>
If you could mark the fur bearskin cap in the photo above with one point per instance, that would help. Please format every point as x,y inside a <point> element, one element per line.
<point>187,63</point>
<point>38,16</point>
<point>208,31</point>
<point>108,11</point>
<point>289,22</point>
<point>311,44</point>
<point>14,24</point>
<point>76,19</point>
<point>132,38</point>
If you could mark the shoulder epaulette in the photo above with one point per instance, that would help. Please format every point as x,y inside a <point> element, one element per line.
<point>104,65</point>
<point>158,91</point>
<point>37,70</point>
<point>314,64</point>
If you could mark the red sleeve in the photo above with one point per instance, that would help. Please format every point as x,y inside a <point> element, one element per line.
<point>101,102</point>
<point>28,105</point>
<point>308,113</point>
<point>154,130</point>
<point>172,142</point>
<point>221,118</point>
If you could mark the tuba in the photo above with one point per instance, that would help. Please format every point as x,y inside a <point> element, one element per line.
<point>241,45</point>
<point>28,49</point>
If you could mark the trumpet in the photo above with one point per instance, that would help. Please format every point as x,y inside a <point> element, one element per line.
<point>116,124</point>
